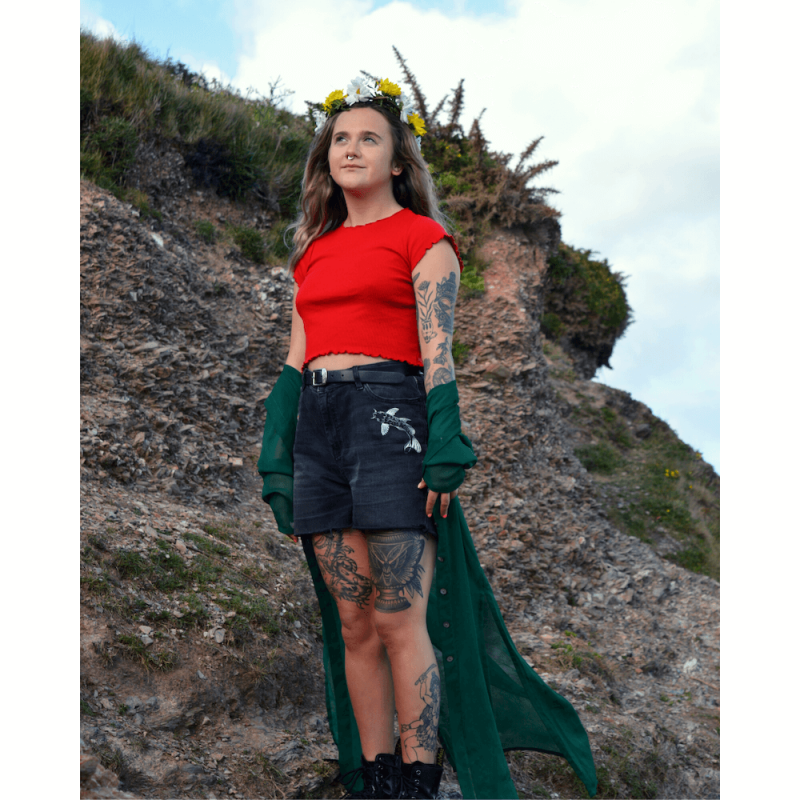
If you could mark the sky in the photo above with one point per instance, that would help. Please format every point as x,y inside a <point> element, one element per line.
<point>624,92</point>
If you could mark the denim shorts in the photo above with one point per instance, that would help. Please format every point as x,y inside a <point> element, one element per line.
<point>358,455</point>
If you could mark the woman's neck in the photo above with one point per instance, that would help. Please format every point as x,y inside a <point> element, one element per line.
<point>358,214</point>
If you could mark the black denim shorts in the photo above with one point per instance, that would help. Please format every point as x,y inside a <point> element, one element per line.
<point>358,455</point>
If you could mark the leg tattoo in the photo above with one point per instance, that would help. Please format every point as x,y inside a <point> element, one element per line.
<point>424,729</point>
<point>394,558</point>
<point>344,582</point>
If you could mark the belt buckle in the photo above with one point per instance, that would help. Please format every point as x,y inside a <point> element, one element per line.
<point>324,377</point>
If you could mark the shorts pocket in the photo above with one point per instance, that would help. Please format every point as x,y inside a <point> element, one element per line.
<point>409,391</point>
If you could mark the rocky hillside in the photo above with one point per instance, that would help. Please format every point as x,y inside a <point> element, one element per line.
<point>201,670</point>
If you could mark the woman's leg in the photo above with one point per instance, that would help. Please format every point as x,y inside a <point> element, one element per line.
<point>344,562</point>
<point>402,564</point>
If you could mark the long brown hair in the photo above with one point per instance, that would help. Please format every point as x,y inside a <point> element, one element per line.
<point>322,204</point>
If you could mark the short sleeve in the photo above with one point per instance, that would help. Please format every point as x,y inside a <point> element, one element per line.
<point>424,233</point>
<point>301,269</point>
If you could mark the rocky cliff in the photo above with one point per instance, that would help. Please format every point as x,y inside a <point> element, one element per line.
<point>201,672</point>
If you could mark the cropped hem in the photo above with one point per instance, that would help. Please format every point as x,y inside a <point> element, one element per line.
<point>415,362</point>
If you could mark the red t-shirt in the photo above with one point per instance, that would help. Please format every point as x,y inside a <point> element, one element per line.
<point>356,294</point>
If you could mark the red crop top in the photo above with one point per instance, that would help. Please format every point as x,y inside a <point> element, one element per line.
<point>356,294</point>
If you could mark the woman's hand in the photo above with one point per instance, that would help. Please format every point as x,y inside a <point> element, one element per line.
<point>444,505</point>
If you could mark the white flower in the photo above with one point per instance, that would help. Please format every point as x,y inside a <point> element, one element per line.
<point>406,111</point>
<point>360,90</point>
<point>320,118</point>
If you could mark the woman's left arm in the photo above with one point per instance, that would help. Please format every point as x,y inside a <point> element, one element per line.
<point>436,279</point>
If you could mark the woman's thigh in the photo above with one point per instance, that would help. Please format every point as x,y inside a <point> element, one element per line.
<point>401,566</point>
<point>379,579</point>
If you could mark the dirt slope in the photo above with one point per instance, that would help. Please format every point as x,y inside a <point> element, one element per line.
<point>200,638</point>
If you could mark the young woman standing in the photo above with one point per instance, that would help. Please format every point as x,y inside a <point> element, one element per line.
<point>363,452</point>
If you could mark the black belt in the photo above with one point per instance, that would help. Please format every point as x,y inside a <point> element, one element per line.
<point>319,377</point>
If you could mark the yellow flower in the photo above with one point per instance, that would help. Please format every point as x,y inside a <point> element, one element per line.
<point>387,87</point>
<point>336,95</point>
<point>418,124</point>
<point>690,485</point>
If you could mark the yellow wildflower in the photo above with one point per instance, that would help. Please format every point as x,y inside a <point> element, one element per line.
<point>336,95</point>
<point>418,124</point>
<point>387,87</point>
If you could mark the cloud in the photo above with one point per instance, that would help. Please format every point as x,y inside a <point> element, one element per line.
<point>100,27</point>
<point>626,95</point>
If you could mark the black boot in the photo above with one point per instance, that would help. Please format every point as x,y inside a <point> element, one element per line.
<point>375,774</point>
<point>415,780</point>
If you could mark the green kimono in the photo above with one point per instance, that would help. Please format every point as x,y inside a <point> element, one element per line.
<point>491,700</point>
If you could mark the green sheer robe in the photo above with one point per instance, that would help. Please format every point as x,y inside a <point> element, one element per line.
<point>491,700</point>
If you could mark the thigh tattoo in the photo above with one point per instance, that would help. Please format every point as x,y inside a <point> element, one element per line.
<point>394,558</point>
<point>342,578</point>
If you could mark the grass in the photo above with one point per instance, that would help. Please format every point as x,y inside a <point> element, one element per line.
<point>460,351</point>
<point>472,283</point>
<point>87,709</point>
<point>133,648</point>
<point>206,231</point>
<point>251,612</point>
<point>250,242</point>
<point>653,486</point>
<point>234,144</point>
<point>247,147</point>
<point>600,458</point>
<point>95,585</point>
<point>207,546</point>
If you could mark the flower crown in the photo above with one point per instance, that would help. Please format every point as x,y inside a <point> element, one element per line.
<point>362,90</point>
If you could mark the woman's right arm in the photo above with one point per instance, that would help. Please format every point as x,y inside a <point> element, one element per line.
<point>297,343</point>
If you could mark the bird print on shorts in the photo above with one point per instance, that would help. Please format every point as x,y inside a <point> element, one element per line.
<point>388,419</point>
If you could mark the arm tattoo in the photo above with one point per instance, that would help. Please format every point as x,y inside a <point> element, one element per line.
<point>445,302</point>
<point>443,349</point>
<point>425,309</point>
<point>442,375</point>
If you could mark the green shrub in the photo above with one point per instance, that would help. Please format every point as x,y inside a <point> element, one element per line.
<point>275,244</point>
<point>472,283</point>
<point>130,564</point>
<point>460,351</point>
<point>551,325</point>
<point>115,140</point>
<point>599,458</point>
<point>206,231</point>
<point>693,558</point>
<point>250,243</point>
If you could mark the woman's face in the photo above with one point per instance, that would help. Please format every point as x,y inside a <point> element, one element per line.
<point>364,134</point>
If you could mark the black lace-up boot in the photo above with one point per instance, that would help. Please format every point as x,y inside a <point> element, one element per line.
<point>415,780</point>
<point>375,773</point>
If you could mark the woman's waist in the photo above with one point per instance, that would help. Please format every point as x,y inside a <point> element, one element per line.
<point>344,361</point>
<point>345,358</point>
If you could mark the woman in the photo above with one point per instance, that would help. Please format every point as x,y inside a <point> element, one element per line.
<point>376,277</point>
